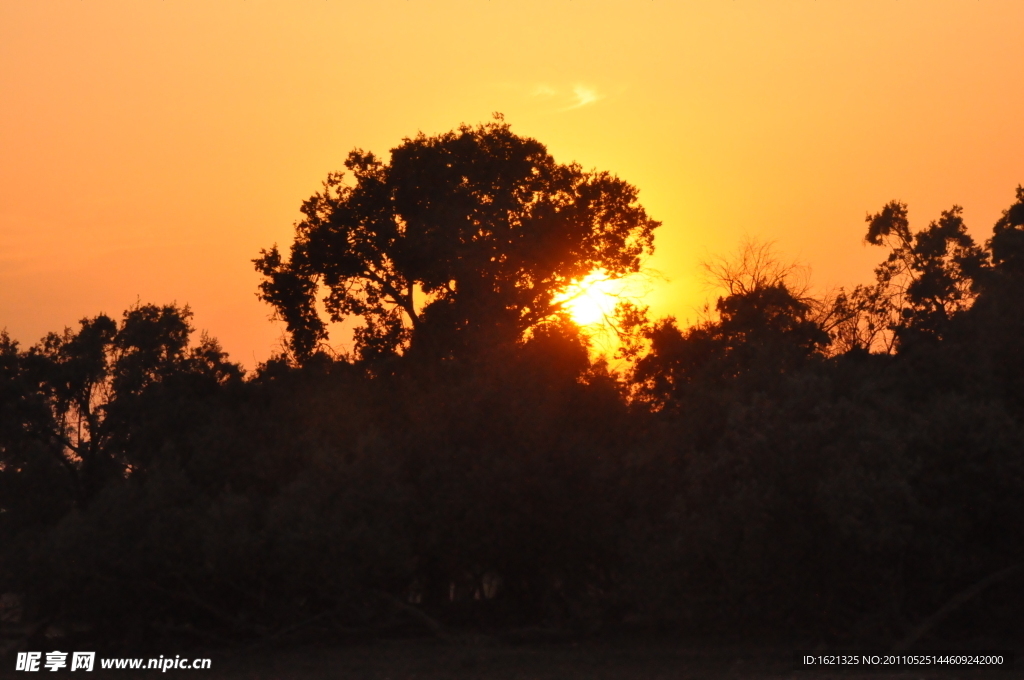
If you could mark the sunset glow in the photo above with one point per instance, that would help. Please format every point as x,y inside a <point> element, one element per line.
<point>591,301</point>
<point>148,151</point>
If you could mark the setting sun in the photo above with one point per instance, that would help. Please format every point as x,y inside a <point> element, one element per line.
<point>591,301</point>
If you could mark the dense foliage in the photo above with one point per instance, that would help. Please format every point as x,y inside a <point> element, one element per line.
<point>837,468</point>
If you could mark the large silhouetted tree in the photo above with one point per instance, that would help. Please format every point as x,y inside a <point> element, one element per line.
<point>462,240</point>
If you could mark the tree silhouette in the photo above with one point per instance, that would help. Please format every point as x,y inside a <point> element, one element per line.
<point>996,321</point>
<point>80,391</point>
<point>765,325</point>
<point>1007,242</point>
<point>463,240</point>
<point>928,277</point>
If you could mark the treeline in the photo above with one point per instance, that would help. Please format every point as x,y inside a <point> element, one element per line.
<point>838,468</point>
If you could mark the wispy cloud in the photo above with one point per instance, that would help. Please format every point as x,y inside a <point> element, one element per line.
<point>584,95</point>
<point>566,98</point>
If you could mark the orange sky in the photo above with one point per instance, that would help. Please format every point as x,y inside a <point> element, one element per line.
<point>149,149</point>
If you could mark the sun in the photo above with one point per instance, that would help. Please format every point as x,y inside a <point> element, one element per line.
<point>591,301</point>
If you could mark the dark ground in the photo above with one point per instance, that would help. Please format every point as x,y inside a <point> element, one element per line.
<point>490,659</point>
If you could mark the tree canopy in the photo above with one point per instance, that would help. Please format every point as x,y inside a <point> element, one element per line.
<point>79,396</point>
<point>764,326</point>
<point>462,240</point>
